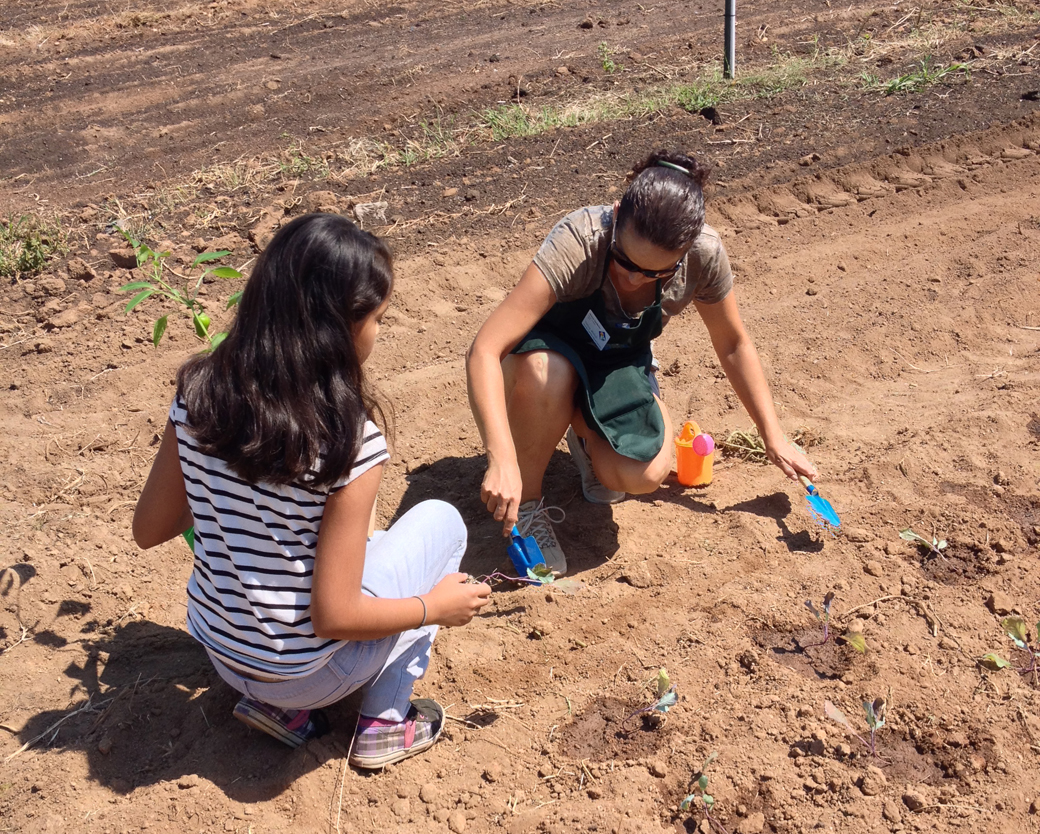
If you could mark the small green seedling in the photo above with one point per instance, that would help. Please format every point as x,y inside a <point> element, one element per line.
<point>155,266</point>
<point>666,697</point>
<point>875,711</point>
<point>853,638</point>
<point>935,547</point>
<point>605,52</point>
<point>700,798</point>
<point>1015,627</point>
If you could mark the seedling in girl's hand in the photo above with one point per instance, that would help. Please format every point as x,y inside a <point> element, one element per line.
<point>1015,627</point>
<point>875,711</point>
<point>154,263</point>
<point>852,636</point>
<point>699,796</point>
<point>666,698</point>
<point>935,547</point>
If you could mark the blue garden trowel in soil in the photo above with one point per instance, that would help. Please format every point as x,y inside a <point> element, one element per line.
<point>525,552</point>
<point>819,507</point>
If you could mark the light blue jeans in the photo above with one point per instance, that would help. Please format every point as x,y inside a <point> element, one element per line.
<point>425,545</point>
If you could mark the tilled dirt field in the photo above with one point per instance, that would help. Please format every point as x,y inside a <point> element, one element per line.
<point>886,251</point>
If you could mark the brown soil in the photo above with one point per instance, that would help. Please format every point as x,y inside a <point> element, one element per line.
<point>885,249</point>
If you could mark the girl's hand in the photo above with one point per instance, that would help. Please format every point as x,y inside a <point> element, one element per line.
<point>791,462</point>
<point>454,601</point>
<point>500,491</point>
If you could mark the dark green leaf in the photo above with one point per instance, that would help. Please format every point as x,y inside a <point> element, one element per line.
<point>702,783</point>
<point>233,299</point>
<point>137,299</point>
<point>214,342</point>
<point>158,330</point>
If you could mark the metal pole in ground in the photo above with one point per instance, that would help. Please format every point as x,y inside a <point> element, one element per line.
<point>729,61</point>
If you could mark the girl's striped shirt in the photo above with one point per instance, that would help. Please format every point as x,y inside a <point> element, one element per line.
<point>250,593</point>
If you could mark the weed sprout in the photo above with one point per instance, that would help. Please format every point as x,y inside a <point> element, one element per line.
<point>875,710</point>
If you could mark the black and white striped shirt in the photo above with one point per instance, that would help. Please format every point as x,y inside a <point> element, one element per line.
<point>249,596</point>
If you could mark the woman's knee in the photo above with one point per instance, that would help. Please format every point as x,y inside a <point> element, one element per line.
<point>543,375</point>
<point>441,516</point>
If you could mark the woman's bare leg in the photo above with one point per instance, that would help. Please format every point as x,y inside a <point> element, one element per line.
<point>618,472</point>
<point>540,388</point>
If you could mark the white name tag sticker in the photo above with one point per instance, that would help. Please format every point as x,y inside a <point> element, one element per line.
<point>595,329</point>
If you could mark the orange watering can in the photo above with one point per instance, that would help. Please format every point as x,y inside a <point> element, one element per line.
<point>694,452</point>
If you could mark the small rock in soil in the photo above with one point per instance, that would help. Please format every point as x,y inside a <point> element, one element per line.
<point>541,628</point>
<point>859,535</point>
<point>105,746</point>
<point>1002,546</point>
<point>441,814</point>
<point>754,823</point>
<point>189,780</point>
<point>401,808</point>
<point>811,291</point>
<point>79,270</point>
<point>449,192</point>
<point>890,811</point>
<point>873,568</point>
<point>123,258</point>
<point>51,285</point>
<point>873,782</point>
<point>493,772</point>
<point>457,821</point>
<point>429,793</point>
<point>1000,603</point>
<point>658,769</point>
<point>913,800</point>
<point>596,793</point>
<point>638,576</point>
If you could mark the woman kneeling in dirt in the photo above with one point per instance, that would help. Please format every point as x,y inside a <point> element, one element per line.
<point>569,350</point>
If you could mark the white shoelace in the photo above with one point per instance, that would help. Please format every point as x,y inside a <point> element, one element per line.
<point>539,524</point>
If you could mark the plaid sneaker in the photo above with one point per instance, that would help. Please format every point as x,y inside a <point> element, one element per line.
<point>289,726</point>
<point>535,519</point>
<point>593,490</point>
<point>378,742</point>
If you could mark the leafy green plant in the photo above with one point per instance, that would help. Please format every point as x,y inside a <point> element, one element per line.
<point>666,698</point>
<point>605,52</point>
<point>875,711</point>
<point>155,266</point>
<point>925,75</point>
<point>27,243</point>
<point>935,547</point>
<point>1015,628</point>
<point>700,798</point>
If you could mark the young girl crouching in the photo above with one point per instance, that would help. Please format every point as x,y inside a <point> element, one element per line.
<point>271,453</point>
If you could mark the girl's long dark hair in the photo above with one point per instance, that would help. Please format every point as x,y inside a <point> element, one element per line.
<point>283,398</point>
<point>665,206</point>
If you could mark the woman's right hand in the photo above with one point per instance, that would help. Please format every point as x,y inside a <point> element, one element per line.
<point>500,492</point>
<point>455,600</point>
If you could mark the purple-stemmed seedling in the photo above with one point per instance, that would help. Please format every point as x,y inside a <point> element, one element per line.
<point>666,697</point>
<point>823,616</point>
<point>1015,627</point>
<point>852,636</point>
<point>935,547</point>
<point>875,711</point>
<point>699,797</point>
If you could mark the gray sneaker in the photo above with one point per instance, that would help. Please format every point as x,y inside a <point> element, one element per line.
<point>537,520</point>
<point>593,490</point>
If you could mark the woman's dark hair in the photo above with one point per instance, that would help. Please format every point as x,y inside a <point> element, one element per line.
<point>665,206</point>
<point>283,399</point>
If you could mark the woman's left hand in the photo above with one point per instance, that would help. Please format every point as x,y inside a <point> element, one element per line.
<point>791,462</point>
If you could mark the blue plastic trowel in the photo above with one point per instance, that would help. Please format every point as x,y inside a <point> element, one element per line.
<point>525,553</point>
<point>819,507</point>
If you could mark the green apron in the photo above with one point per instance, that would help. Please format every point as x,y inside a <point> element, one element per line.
<point>612,360</point>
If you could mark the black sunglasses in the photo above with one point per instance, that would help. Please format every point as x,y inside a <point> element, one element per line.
<point>626,264</point>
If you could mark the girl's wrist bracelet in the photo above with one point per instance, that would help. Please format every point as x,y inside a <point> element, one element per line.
<point>424,611</point>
